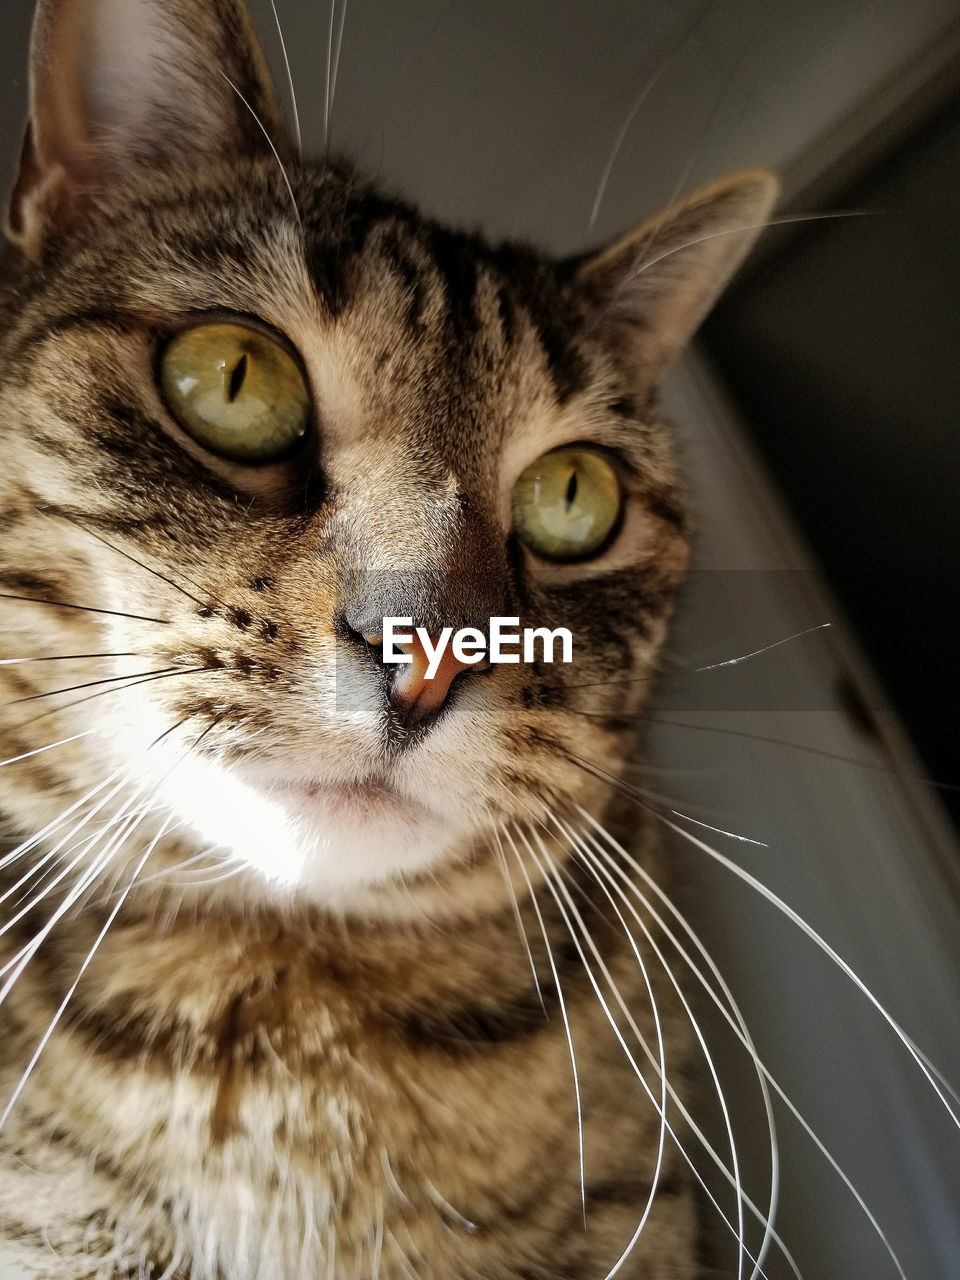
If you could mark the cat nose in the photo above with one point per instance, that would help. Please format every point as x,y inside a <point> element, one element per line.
<point>413,693</point>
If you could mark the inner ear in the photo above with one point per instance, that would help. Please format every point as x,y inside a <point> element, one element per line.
<point>124,88</point>
<point>652,288</point>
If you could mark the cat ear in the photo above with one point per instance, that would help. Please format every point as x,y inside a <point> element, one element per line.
<point>651,289</point>
<point>121,87</point>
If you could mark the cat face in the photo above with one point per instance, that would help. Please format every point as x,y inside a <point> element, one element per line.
<point>253,407</point>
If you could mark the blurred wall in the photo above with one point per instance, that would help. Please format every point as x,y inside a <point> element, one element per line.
<point>504,112</point>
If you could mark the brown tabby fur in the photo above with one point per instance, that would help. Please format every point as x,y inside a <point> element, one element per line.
<point>250,1084</point>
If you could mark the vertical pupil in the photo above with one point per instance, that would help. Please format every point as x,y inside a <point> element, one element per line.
<point>237,378</point>
<point>571,494</point>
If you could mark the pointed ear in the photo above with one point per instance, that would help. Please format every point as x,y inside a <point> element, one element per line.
<point>652,288</point>
<point>126,87</point>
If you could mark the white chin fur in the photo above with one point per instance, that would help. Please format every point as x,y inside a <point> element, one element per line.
<point>318,846</point>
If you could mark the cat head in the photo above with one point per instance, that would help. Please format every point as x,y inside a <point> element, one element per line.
<point>253,406</point>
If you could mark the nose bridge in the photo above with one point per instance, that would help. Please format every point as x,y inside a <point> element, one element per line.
<point>441,568</point>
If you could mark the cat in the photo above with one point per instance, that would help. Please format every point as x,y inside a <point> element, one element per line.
<point>301,950</point>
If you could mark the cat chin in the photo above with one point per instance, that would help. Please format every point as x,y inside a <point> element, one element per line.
<point>326,843</point>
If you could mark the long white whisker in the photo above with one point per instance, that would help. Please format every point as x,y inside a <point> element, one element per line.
<point>553,883</point>
<point>783,220</point>
<point>678,1102</point>
<point>85,843</point>
<point>744,1033</point>
<point>645,92</point>
<point>290,84</point>
<point>777,1088</point>
<point>19,962</point>
<point>32,841</point>
<point>326,101</point>
<point>86,880</point>
<point>797,635</point>
<point>52,854</point>
<point>54,1022</point>
<point>27,755</point>
<point>273,147</point>
<point>618,143</point>
<point>563,1013</point>
<point>932,1074</point>
<point>733,835</point>
<point>336,60</point>
<point>505,870</point>
<point>596,869</point>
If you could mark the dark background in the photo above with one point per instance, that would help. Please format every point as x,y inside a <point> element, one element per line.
<point>843,352</point>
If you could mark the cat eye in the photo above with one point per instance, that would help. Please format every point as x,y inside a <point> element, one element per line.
<point>236,391</point>
<point>567,503</point>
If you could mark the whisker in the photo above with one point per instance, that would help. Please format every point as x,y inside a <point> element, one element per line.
<point>326,98</point>
<point>619,141</point>
<point>27,755</point>
<point>273,147</point>
<point>234,867</point>
<point>32,841</point>
<point>733,835</point>
<point>732,662</point>
<point>75,862</point>
<point>16,965</point>
<point>641,98</point>
<point>135,683</point>
<point>563,1012</point>
<point>84,608</point>
<point>774,1084</point>
<point>99,939</point>
<point>55,1020</point>
<point>744,1033</point>
<point>111,546</point>
<point>926,1066</point>
<point>780,220</point>
<point>179,866</point>
<point>554,883</point>
<point>90,684</point>
<point>423,43</point>
<point>85,843</point>
<point>714,666</point>
<point>688,1118</point>
<point>64,657</point>
<point>795,746</point>
<point>336,66</point>
<point>594,867</point>
<point>293,91</point>
<point>505,870</point>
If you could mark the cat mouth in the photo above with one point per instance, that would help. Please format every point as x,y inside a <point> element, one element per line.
<point>370,797</point>
<point>371,791</point>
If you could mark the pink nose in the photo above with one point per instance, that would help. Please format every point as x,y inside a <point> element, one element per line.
<point>416,693</point>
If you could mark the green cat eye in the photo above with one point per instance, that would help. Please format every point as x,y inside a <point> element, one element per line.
<point>565,505</point>
<point>237,392</point>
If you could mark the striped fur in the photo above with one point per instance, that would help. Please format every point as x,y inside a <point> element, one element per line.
<point>324,1055</point>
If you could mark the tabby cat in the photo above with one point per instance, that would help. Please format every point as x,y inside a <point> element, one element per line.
<point>311,968</point>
